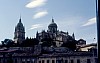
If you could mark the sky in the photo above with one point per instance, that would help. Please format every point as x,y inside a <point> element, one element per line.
<point>74,16</point>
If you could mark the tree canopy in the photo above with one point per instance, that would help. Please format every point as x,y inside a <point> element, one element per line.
<point>71,44</point>
<point>29,42</point>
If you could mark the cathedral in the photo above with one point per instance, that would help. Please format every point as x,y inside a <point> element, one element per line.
<point>59,37</point>
<point>48,54</point>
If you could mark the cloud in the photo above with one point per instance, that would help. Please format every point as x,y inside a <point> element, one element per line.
<point>40,14</point>
<point>35,26</point>
<point>90,22</point>
<point>36,3</point>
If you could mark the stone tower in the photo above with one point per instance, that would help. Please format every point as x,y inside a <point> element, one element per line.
<point>19,34</point>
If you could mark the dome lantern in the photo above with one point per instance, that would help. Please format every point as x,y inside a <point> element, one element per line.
<point>52,27</point>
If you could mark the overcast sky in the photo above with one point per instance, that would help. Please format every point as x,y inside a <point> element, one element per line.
<point>74,16</point>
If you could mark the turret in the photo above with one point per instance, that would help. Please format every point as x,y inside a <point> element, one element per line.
<point>67,33</point>
<point>37,35</point>
<point>73,36</point>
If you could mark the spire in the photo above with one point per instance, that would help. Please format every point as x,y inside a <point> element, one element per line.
<point>73,36</point>
<point>67,33</point>
<point>37,32</point>
<point>20,19</point>
<point>37,35</point>
<point>52,20</point>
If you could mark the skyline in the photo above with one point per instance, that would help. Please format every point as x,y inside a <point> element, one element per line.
<point>72,16</point>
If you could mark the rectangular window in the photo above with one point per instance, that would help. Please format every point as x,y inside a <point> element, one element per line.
<point>28,62</point>
<point>53,61</point>
<point>42,61</point>
<point>15,60</point>
<point>78,61</point>
<point>66,61</point>
<point>88,61</point>
<point>39,61</point>
<point>71,61</point>
<point>23,62</point>
<point>47,61</point>
<point>96,60</point>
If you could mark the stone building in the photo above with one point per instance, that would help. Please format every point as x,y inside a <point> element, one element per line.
<point>88,47</point>
<point>40,54</point>
<point>59,37</point>
<point>58,55</point>
<point>19,34</point>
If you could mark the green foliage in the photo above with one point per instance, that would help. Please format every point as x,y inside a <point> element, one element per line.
<point>8,43</point>
<point>30,42</point>
<point>71,44</point>
<point>47,42</point>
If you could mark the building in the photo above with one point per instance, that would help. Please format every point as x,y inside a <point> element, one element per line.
<point>44,54</point>
<point>59,37</point>
<point>17,55</point>
<point>19,34</point>
<point>88,47</point>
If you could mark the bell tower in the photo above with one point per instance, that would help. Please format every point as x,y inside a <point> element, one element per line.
<point>19,34</point>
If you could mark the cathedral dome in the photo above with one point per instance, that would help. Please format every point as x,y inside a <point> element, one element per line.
<point>52,27</point>
<point>19,26</point>
<point>53,24</point>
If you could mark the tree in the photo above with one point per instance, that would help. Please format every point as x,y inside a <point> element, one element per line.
<point>71,44</point>
<point>8,43</point>
<point>47,42</point>
<point>30,42</point>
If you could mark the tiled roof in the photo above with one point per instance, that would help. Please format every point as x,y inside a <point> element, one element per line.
<point>67,54</point>
<point>92,44</point>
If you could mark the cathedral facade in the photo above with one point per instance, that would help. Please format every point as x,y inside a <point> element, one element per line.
<point>48,54</point>
<point>59,37</point>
